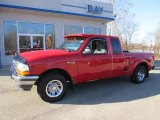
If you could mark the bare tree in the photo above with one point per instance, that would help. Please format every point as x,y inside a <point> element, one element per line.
<point>128,28</point>
<point>145,45</point>
<point>124,25</point>
<point>150,37</point>
<point>157,42</point>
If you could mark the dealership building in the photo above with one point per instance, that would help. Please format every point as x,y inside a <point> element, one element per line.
<point>26,23</point>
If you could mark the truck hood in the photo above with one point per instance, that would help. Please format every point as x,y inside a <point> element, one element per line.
<point>44,54</point>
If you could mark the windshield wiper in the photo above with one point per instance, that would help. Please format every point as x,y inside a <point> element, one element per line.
<point>69,50</point>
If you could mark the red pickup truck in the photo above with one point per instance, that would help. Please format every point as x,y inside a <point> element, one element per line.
<point>81,58</point>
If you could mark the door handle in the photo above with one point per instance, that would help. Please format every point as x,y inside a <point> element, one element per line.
<point>71,62</point>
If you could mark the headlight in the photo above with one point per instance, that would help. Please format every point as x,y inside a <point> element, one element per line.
<point>22,69</point>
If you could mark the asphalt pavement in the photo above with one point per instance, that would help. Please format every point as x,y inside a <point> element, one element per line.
<point>112,99</point>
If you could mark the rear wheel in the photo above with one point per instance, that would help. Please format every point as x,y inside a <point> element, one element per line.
<point>52,87</point>
<point>139,74</point>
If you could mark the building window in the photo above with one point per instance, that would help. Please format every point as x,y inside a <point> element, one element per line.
<point>92,30</point>
<point>10,37</point>
<point>50,36</point>
<point>30,28</point>
<point>68,29</point>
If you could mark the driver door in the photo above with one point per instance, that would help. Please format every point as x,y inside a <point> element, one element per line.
<point>94,66</point>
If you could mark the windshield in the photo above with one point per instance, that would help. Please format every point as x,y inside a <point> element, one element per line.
<point>72,43</point>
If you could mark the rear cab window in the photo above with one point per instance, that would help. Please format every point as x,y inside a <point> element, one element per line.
<point>116,46</point>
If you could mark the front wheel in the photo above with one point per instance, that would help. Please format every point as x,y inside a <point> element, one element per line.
<point>52,87</point>
<point>139,74</point>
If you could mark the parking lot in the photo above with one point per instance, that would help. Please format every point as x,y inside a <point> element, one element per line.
<point>113,99</point>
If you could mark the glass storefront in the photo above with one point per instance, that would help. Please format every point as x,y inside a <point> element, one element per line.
<point>24,36</point>
<point>30,42</point>
<point>92,30</point>
<point>49,36</point>
<point>24,43</point>
<point>30,28</point>
<point>68,29</point>
<point>10,37</point>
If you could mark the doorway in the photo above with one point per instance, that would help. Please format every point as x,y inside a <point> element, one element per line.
<point>30,42</point>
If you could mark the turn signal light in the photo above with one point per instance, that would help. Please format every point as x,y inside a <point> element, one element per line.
<point>23,73</point>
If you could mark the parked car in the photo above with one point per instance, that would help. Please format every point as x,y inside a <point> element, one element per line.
<point>81,58</point>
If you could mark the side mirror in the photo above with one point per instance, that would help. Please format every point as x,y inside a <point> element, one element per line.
<point>87,50</point>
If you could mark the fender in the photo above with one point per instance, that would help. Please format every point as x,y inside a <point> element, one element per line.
<point>139,62</point>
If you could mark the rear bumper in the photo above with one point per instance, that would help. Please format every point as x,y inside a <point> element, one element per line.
<point>25,82</point>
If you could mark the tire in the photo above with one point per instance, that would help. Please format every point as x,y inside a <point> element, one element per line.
<point>139,75</point>
<point>52,87</point>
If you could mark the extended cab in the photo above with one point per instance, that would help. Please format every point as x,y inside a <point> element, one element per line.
<point>81,58</point>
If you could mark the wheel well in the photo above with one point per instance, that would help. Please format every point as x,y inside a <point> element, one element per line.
<point>56,71</point>
<point>146,66</point>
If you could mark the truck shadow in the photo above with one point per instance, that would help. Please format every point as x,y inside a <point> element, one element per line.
<point>112,91</point>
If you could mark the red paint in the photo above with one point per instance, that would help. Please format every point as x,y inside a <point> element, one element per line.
<point>87,67</point>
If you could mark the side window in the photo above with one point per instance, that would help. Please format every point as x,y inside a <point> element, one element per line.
<point>116,46</point>
<point>97,46</point>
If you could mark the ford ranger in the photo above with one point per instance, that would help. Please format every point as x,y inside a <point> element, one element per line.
<point>81,58</point>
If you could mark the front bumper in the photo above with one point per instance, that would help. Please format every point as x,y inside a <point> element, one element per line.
<point>25,82</point>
